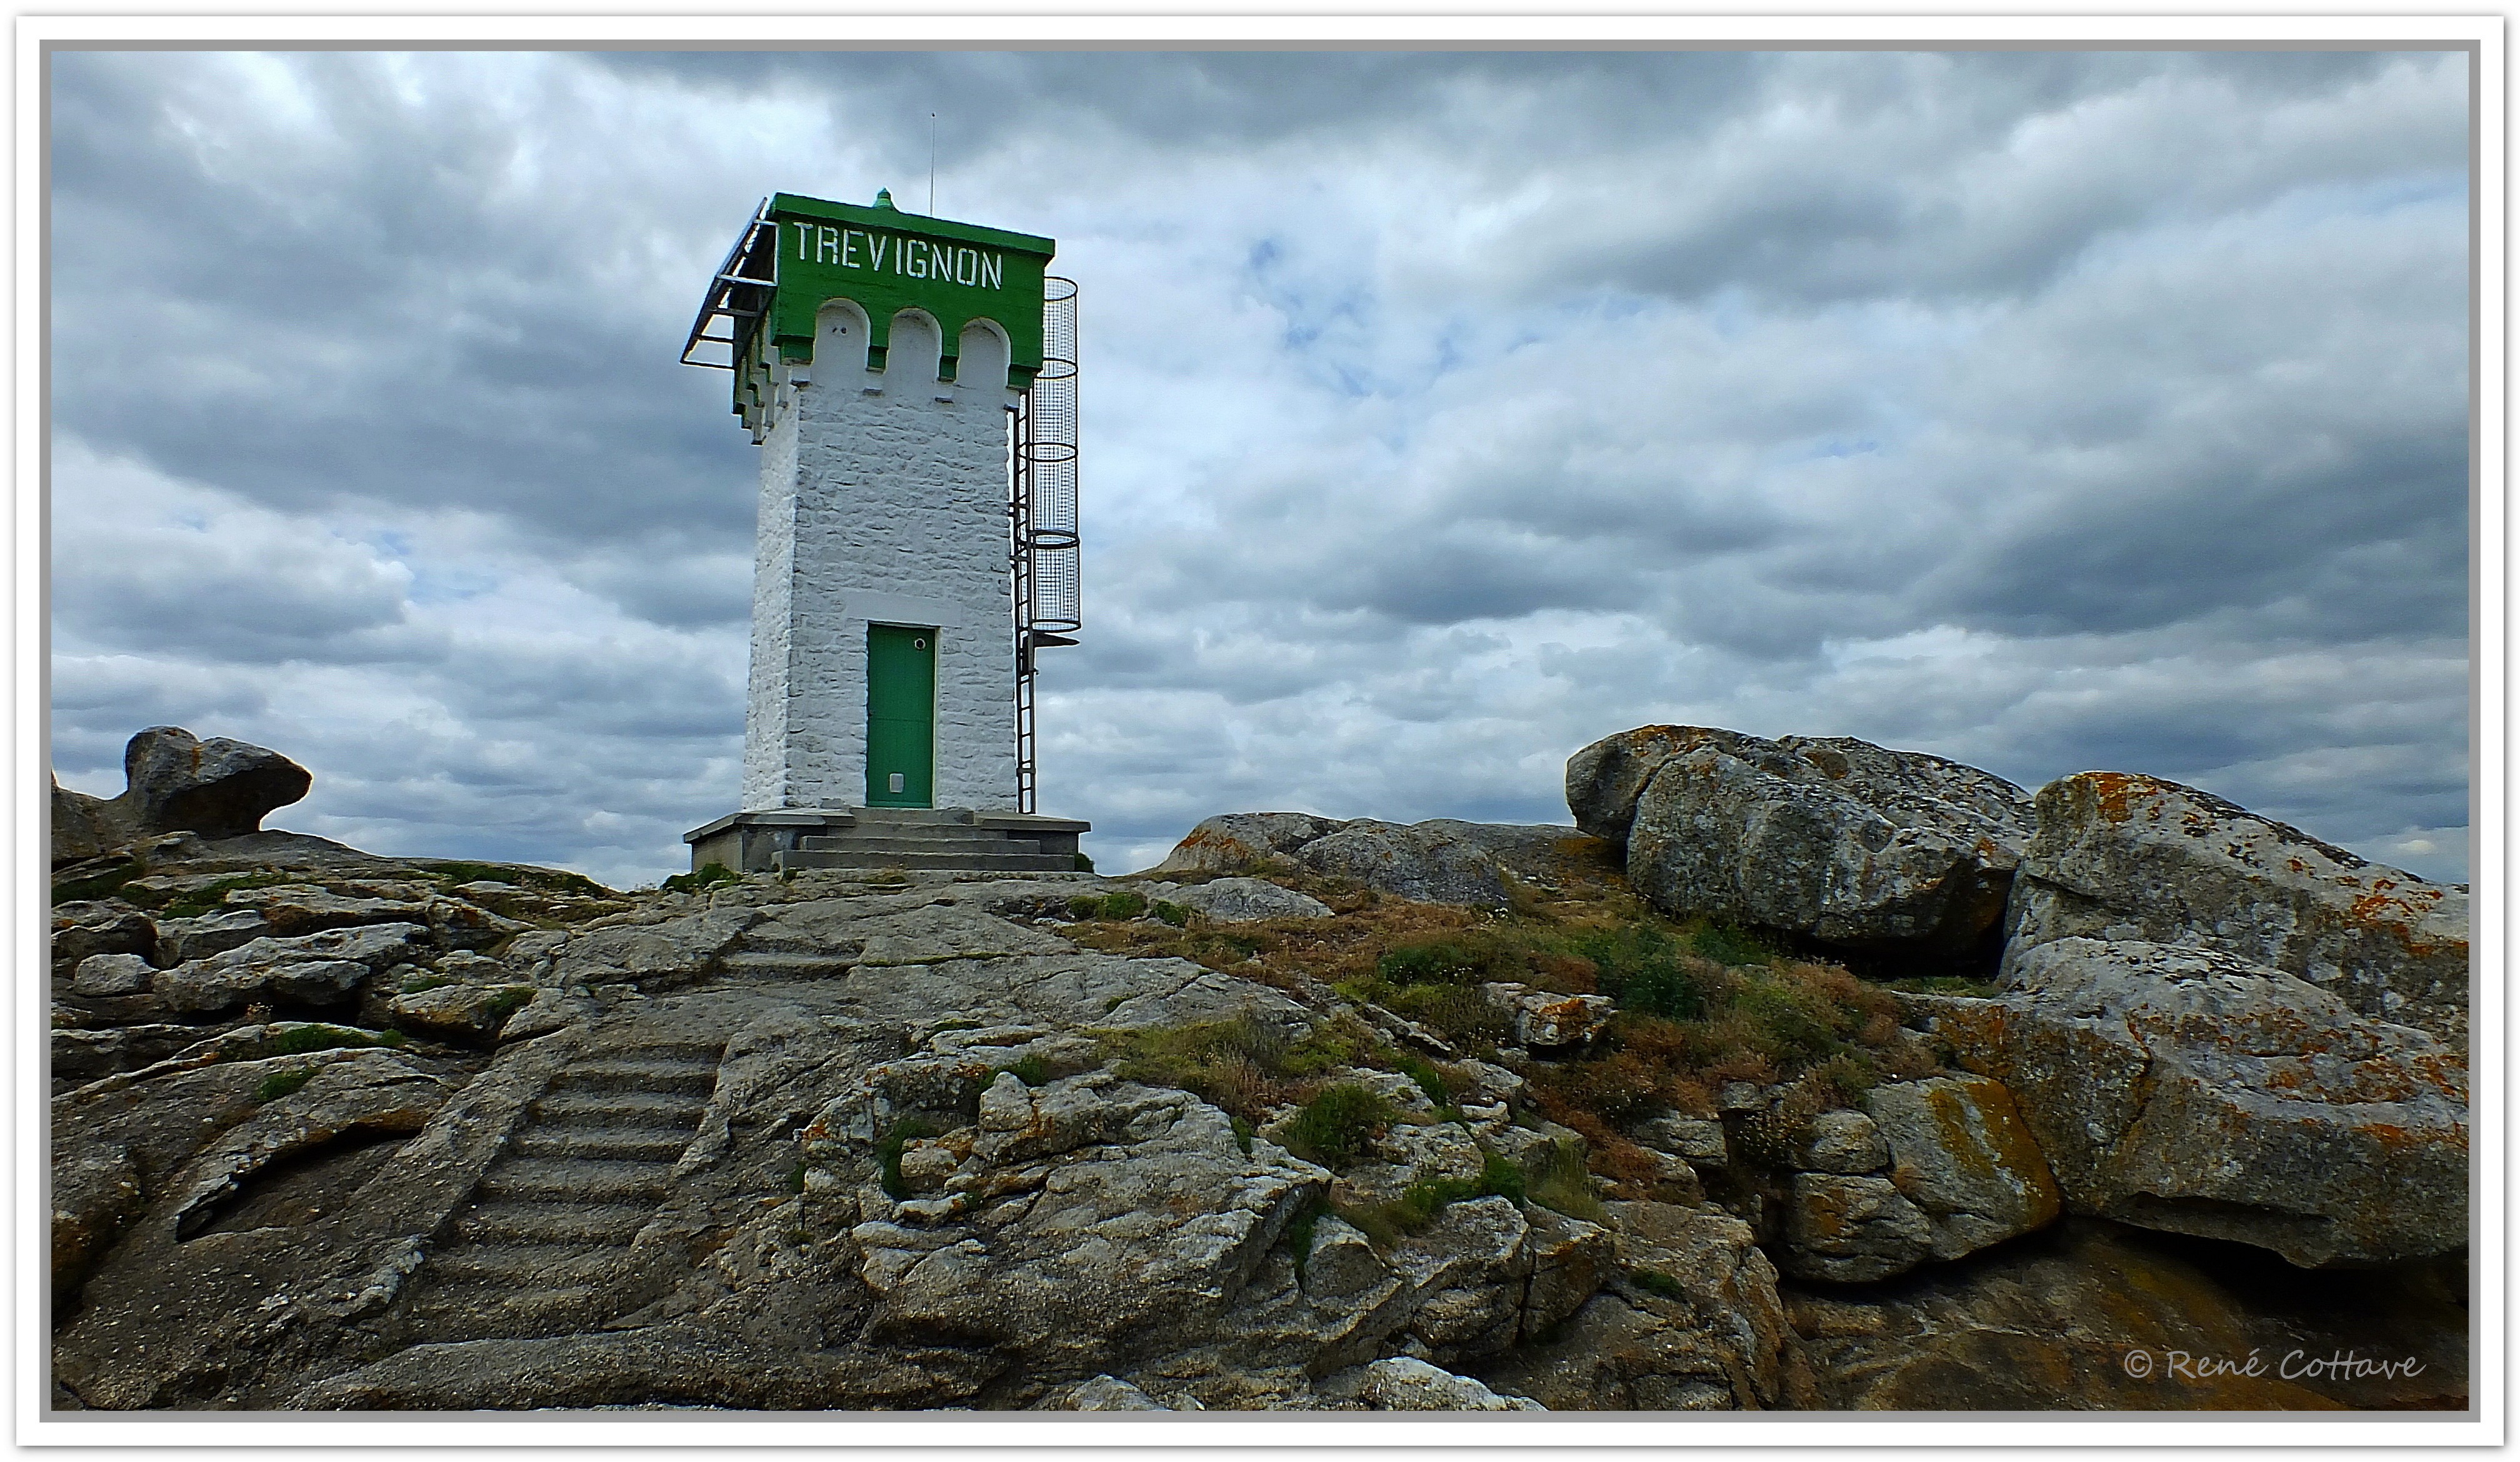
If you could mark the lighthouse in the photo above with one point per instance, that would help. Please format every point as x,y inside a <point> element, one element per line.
<point>910,383</point>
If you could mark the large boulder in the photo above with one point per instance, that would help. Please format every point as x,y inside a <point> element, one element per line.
<point>2188,1090</point>
<point>1960,1151</point>
<point>1829,837</point>
<point>1441,860</point>
<point>2121,857</point>
<point>175,782</point>
<point>1694,1323</point>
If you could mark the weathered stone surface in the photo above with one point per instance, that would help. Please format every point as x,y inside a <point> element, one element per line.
<point>311,969</point>
<point>1961,1152</point>
<point>83,826</point>
<point>1833,838</point>
<point>1104,1394</point>
<point>1851,1229</point>
<point>180,940</point>
<point>1604,779</point>
<point>2188,1090</point>
<point>1237,841</point>
<point>110,974</point>
<point>1842,1143</point>
<point>1237,901</point>
<point>1436,862</point>
<point>1111,1221</point>
<point>459,1012</point>
<point>175,781</point>
<point>1404,1383</point>
<point>2086,1316</point>
<point>84,929</point>
<point>1707,1331</point>
<point>1548,1020</point>
<point>1698,1139</point>
<point>2120,857</point>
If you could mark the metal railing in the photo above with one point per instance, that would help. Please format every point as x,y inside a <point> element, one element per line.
<point>1048,561</point>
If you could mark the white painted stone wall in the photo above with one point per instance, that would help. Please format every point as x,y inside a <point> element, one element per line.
<point>884,500</point>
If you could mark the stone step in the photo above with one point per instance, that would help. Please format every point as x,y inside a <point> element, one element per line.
<point>578,1180</point>
<point>601,1074</point>
<point>469,1311</point>
<point>530,1221</point>
<point>523,1267</point>
<point>664,1110</point>
<point>978,862</point>
<point>637,1144</point>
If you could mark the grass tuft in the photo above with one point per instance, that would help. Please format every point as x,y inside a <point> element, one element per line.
<point>1335,1125</point>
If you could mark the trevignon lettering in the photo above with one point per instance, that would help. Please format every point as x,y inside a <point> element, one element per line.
<point>909,257</point>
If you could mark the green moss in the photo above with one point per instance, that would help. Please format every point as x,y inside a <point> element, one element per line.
<point>1243,1132</point>
<point>1656,1282</point>
<point>423,984</point>
<point>508,1002</point>
<point>700,879</point>
<point>100,885</point>
<point>1421,1202</point>
<point>795,1179</point>
<point>280,1083</point>
<point>1299,1231</point>
<point>523,875</point>
<point>888,1153</point>
<point>192,903</point>
<point>1335,1125</point>
<point>1032,1070</point>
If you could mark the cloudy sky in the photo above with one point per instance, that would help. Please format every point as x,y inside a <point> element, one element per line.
<point>1442,412</point>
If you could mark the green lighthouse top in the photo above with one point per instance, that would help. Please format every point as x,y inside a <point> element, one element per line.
<point>799,252</point>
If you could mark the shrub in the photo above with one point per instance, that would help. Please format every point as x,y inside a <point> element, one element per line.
<point>1243,1132</point>
<point>1084,864</point>
<point>1429,1081</point>
<point>1459,1013</point>
<point>523,875</point>
<point>1172,913</point>
<point>1640,967</point>
<point>1033,1070</point>
<point>1434,962</point>
<point>1730,944</point>
<point>280,1083</point>
<point>1557,1179</point>
<point>1334,1126</point>
<point>1126,904</point>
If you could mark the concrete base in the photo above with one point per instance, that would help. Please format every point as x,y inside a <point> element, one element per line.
<point>771,839</point>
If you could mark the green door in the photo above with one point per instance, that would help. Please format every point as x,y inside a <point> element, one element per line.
<point>901,717</point>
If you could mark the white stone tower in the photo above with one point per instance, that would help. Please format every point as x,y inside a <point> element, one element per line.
<point>880,360</point>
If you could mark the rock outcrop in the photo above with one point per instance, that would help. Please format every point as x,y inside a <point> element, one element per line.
<point>1833,838</point>
<point>2120,857</point>
<point>339,1131</point>
<point>1439,861</point>
<point>2185,1090</point>
<point>176,782</point>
